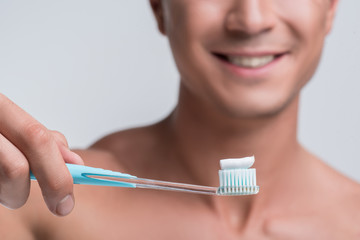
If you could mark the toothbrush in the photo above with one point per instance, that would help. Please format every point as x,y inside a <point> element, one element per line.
<point>236,178</point>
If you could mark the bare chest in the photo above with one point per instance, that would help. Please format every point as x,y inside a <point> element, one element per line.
<point>134,214</point>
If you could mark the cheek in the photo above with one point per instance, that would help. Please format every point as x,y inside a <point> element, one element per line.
<point>188,26</point>
<point>305,20</point>
<point>187,21</point>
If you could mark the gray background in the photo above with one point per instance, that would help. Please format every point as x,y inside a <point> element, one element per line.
<point>87,68</point>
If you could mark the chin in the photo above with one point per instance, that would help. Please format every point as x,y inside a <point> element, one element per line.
<point>260,109</point>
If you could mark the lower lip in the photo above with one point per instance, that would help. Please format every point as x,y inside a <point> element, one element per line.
<point>252,73</point>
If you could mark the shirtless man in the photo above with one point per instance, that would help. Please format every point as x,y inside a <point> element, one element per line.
<point>242,65</point>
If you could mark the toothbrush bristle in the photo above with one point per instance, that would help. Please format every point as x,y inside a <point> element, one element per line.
<point>237,182</point>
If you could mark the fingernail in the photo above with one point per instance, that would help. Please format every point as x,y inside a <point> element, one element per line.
<point>65,206</point>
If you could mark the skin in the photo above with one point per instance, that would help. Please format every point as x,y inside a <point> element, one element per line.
<point>223,111</point>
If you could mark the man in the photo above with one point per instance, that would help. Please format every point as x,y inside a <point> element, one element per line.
<point>242,65</point>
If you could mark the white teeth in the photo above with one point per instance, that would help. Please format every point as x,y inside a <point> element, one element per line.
<point>250,62</point>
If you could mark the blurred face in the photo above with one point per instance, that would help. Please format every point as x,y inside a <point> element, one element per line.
<point>248,58</point>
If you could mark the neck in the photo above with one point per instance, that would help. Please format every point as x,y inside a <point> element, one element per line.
<point>203,139</point>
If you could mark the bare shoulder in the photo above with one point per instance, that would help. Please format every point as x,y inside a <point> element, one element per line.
<point>130,149</point>
<point>323,205</point>
<point>340,197</point>
<point>338,184</point>
<point>334,185</point>
<point>131,140</point>
<point>349,198</point>
<point>345,203</point>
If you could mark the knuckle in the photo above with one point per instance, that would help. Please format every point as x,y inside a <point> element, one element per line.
<point>14,171</point>
<point>37,133</point>
<point>60,137</point>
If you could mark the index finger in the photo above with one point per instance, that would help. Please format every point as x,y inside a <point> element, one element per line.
<point>37,144</point>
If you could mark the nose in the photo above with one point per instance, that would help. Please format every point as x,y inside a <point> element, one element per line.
<point>250,17</point>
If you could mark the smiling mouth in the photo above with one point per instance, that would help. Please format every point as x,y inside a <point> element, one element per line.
<point>248,61</point>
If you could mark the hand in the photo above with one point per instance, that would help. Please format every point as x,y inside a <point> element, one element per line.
<point>25,144</point>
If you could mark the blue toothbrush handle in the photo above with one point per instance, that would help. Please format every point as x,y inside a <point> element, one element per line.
<point>82,175</point>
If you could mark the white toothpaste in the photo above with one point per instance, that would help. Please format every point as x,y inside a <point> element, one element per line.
<point>235,163</point>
